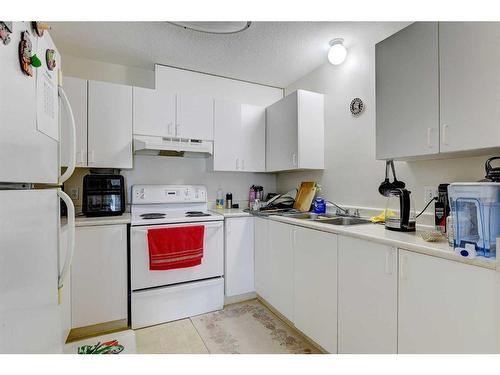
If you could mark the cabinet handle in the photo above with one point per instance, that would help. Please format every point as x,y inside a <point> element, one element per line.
<point>402,267</point>
<point>429,137</point>
<point>91,156</point>
<point>445,134</point>
<point>237,163</point>
<point>83,156</point>
<point>169,128</point>
<point>388,254</point>
<point>294,236</point>
<point>177,131</point>
<point>294,159</point>
<point>243,164</point>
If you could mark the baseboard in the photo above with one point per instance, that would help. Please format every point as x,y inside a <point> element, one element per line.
<point>97,330</point>
<point>239,298</point>
<point>290,323</point>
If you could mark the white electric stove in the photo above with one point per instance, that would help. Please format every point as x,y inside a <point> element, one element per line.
<point>163,296</point>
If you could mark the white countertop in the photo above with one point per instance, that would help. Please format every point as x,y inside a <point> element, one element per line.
<point>403,240</point>
<point>230,212</point>
<point>83,221</point>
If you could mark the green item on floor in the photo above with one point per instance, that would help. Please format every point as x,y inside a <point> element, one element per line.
<point>108,347</point>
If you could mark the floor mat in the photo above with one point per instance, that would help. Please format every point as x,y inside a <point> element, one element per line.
<point>120,342</point>
<point>249,328</point>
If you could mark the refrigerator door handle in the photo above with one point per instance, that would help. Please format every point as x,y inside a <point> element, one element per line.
<point>71,237</point>
<point>72,137</point>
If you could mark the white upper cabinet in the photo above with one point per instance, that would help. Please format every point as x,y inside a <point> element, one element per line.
<point>109,125</point>
<point>76,90</point>
<point>367,297</point>
<point>469,58</point>
<point>315,286</point>
<point>240,137</point>
<point>154,112</point>
<point>407,93</point>
<point>195,117</point>
<point>295,132</point>
<point>445,306</point>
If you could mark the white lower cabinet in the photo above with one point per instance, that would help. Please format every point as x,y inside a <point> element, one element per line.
<point>367,297</point>
<point>99,275</point>
<point>445,306</point>
<point>280,269</point>
<point>315,286</point>
<point>239,256</point>
<point>262,265</point>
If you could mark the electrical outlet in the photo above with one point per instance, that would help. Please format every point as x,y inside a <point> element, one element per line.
<point>74,193</point>
<point>429,193</point>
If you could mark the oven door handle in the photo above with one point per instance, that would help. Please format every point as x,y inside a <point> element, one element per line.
<point>211,225</point>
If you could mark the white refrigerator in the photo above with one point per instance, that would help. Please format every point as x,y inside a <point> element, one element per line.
<point>34,261</point>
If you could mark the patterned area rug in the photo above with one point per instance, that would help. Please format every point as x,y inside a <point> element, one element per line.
<point>249,328</point>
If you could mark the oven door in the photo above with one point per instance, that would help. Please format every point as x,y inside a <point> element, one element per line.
<point>212,264</point>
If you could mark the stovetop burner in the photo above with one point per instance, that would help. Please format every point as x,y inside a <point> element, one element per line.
<point>196,214</point>
<point>153,215</point>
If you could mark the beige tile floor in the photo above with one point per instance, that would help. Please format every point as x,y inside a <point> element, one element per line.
<point>182,336</point>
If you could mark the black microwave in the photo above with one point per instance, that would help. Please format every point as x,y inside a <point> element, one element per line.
<point>103,195</point>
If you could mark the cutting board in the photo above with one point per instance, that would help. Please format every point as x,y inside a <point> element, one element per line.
<point>305,196</point>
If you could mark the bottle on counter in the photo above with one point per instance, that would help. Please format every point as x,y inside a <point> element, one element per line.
<point>251,196</point>
<point>449,231</point>
<point>219,202</point>
<point>229,200</point>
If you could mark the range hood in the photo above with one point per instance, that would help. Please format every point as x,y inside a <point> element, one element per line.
<point>148,145</point>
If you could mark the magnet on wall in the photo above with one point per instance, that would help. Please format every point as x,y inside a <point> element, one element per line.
<point>35,61</point>
<point>50,57</point>
<point>40,27</point>
<point>25,48</point>
<point>5,30</point>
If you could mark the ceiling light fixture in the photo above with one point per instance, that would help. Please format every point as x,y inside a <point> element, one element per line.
<point>214,27</point>
<point>338,52</point>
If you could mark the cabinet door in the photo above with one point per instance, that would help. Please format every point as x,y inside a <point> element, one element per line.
<point>76,90</point>
<point>281,267</point>
<point>407,93</point>
<point>110,125</point>
<point>282,134</point>
<point>154,112</point>
<point>311,130</point>
<point>263,271</point>
<point>315,286</point>
<point>195,117</point>
<point>445,306</point>
<point>227,140</point>
<point>253,138</point>
<point>99,275</point>
<point>469,57</point>
<point>239,256</point>
<point>367,299</point>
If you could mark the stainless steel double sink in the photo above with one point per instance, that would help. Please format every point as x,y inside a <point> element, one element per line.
<point>328,219</point>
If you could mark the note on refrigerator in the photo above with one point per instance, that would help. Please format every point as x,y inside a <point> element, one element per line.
<point>47,114</point>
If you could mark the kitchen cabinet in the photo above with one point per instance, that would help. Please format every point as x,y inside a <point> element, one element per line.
<point>76,91</point>
<point>279,269</point>
<point>263,271</point>
<point>445,306</point>
<point>239,256</point>
<point>109,125</point>
<point>407,93</point>
<point>240,137</point>
<point>315,286</point>
<point>154,112</point>
<point>367,297</point>
<point>295,132</point>
<point>469,59</point>
<point>99,290</point>
<point>195,117</point>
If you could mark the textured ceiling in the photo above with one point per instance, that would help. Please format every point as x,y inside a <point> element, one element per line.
<point>272,53</point>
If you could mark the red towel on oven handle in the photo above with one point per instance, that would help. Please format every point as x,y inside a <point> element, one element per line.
<point>175,247</point>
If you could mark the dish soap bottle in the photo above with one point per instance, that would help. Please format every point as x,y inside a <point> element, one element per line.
<point>219,202</point>
<point>319,204</point>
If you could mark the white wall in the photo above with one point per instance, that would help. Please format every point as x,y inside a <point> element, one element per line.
<point>102,71</point>
<point>352,175</point>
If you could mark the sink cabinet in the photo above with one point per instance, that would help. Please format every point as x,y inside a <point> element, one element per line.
<point>367,297</point>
